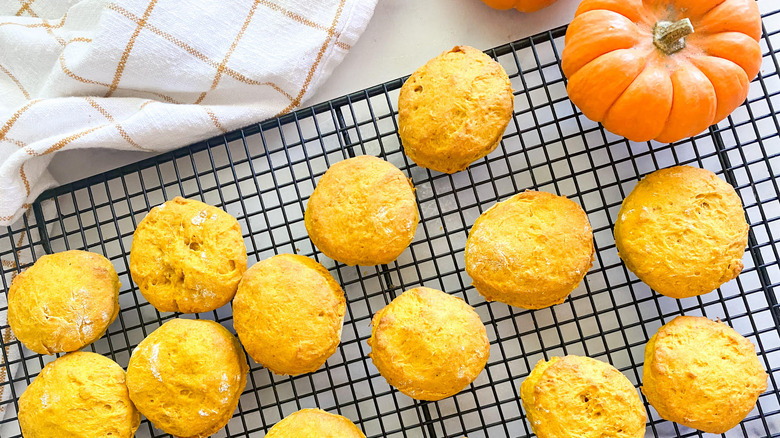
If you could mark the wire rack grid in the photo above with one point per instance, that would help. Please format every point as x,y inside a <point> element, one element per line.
<point>264,174</point>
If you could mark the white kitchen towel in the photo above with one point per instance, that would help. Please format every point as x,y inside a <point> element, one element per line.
<point>153,74</point>
<point>150,75</point>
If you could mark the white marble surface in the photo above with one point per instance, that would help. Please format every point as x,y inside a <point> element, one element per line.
<point>403,35</point>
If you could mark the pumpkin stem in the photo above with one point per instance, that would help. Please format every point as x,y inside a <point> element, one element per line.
<point>669,36</point>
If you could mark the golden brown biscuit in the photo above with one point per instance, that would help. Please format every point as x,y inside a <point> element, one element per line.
<point>428,344</point>
<point>314,423</point>
<point>682,230</point>
<point>186,377</point>
<point>362,212</point>
<point>288,314</point>
<point>530,251</point>
<point>64,302</point>
<point>454,110</point>
<point>702,374</point>
<point>187,256</point>
<point>580,397</point>
<point>80,395</point>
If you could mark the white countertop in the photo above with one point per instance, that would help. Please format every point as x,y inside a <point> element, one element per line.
<point>402,35</point>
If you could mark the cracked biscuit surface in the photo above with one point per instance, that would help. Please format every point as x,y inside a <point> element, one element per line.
<point>288,313</point>
<point>64,302</point>
<point>428,344</point>
<point>187,376</point>
<point>79,395</point>
<point>580,397</point>
<point>682,231</point>
<point>187,256</point>
<point>454,110</point>
<point>531,250</point>
<point>702,374</point>
<point>362,212</point>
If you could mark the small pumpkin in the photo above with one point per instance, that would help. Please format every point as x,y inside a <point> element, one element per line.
<point>661,69</point>
<point>520,5</point>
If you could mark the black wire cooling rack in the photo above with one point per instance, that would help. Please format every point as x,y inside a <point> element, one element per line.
<point>264,174</point>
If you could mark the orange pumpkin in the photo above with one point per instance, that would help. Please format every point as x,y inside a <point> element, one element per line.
<point>520,5</point>
<point>661,69</point>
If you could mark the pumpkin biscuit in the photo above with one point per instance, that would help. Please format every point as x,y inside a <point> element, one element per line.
<point>314,423</point>
<point>187,256</point>
<point>80,394</point>
<point>702,374</point>
<point>288,313</point>
<point>530,251</point>
<point>187,376</point>
<point>580,397</point>
<point>362,212</point>
<point>454,110</point>
<point>682,230</point>
<point>64,302</point>
<point>428,344</point>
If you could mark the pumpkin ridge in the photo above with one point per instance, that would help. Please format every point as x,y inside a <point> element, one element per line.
<point>734,14</point>
<point>585,71</point>
<point>655,111</point>
<point>605,5</point>
<point>644,67</point>
<point>704,14</point>
<point>665,136</point>
<point>714,88</point>
<point>731,61</point>
<point>720,46</point>
<point>722,105</point>
<point>584,45</point>
<point>671,107</point>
